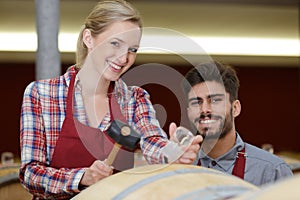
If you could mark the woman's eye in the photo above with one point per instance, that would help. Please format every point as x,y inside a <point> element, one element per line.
<point>132,50</point>
<point>116,44</point>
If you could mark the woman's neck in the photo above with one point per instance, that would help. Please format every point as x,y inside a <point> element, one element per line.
<point>94,89</point>
<point>92,84</point>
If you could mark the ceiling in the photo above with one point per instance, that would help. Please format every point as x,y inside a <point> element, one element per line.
<point>273,19</point>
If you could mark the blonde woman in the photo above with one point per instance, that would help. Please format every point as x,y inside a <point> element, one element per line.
<point>64,120</point>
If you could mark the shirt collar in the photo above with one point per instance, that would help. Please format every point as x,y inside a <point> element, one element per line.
<point>228,159</point>
<point>68,75</point>
<point>120,88</point>
<point>122,92</point>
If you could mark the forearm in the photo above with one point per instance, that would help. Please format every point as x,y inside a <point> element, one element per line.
<point>151,147</point>
<point>153,139</point>
<point>144,120</point>
<point>47,182</point>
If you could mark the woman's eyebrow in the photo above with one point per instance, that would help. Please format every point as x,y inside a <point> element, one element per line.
<point>122,41</point>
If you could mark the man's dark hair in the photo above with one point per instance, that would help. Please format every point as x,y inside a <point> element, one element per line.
<point>213,71</point>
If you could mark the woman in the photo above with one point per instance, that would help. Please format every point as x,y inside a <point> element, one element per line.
<point>64,121</point>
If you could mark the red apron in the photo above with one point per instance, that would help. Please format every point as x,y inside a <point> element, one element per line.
<point>79,145</point>
<point>239,165</point>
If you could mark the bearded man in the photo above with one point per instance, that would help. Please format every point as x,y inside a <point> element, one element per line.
<point>212,95</point>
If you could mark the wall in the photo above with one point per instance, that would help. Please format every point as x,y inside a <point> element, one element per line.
<point>14,79</point>
<point>270,104</point>
<point>270,99</point>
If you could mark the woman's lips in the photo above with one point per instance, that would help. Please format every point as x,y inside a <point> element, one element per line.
<point>114,66</point>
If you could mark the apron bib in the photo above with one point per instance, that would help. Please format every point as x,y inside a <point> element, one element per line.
<point>79,145</point>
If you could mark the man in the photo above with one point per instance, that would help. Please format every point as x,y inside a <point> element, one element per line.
<point>212,93</point>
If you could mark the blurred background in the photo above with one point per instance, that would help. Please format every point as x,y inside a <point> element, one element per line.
<point>259,37</point>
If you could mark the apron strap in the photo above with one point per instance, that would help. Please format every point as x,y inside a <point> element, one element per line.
<point>114,106</point>
<point>70,96</point>
<point>239,165</point>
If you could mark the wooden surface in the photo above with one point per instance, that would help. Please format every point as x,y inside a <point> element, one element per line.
<point>167,182</point>
<point>292,159</point>
<point>10,187</point>
<point>286,189</point>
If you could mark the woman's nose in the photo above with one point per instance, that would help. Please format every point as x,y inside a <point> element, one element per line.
<point>123,57</point>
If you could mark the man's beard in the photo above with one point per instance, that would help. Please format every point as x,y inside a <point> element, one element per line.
<point>223,129</point>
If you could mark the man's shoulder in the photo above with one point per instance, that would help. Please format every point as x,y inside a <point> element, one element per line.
<point>262,155</point>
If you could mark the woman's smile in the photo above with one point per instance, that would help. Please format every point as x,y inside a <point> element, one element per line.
<point>115,66</point>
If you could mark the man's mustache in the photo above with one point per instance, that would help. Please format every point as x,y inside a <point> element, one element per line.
<point>203,116</point>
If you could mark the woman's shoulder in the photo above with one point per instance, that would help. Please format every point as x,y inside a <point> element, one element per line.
<point>133,90</point>
<point>50,84</point>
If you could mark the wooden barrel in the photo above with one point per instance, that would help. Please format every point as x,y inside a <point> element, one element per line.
<point>173,181</point>
<point>287,189</point>
<point>292,160</point>
<point>10,186</point>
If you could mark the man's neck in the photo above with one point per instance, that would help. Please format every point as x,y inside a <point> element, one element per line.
<point>217,148</point>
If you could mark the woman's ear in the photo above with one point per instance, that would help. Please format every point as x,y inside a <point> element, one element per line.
<point>87,38</point>
<point>236,108</point>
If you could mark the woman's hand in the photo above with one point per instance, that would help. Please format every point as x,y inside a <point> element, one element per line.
<point>190,154</point>
<point>97,171</point>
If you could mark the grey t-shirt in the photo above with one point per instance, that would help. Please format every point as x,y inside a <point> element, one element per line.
<point>261,168</point>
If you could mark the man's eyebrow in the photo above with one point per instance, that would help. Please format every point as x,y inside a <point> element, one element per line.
<point>216,95</point>
<point>209,96</point>
<point>194,98</point>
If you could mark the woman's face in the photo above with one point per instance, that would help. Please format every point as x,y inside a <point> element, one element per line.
<point>112,52</point>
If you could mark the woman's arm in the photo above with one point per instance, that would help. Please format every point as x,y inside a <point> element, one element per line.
<point>35,173</point>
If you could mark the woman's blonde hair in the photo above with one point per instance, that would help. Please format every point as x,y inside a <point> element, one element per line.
<point>102,15</point>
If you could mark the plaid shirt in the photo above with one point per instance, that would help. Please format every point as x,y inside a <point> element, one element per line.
<point>42,115</point>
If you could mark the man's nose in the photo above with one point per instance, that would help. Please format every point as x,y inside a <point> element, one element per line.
<point>205,107</point>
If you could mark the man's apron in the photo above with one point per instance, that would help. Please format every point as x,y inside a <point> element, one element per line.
<point>239,165</point>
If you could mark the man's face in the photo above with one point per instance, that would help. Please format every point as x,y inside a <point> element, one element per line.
<point>210,110</point>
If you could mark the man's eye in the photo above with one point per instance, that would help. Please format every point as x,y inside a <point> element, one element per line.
<point>132,50</point>
<point>194,103</point>
<point>116,44</point>
<point>215,100</point>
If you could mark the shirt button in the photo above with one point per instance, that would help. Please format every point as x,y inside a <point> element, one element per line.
<point>213,163</point>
